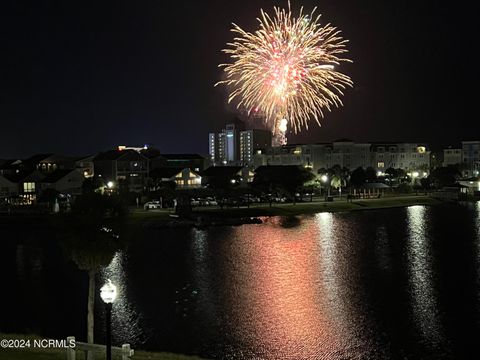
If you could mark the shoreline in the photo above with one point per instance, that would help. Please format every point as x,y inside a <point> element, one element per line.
<point>205,217</point>
<point>215,216</point>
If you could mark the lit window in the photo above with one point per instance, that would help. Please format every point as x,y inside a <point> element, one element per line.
<point>381,165</point>
<point>28,187</point>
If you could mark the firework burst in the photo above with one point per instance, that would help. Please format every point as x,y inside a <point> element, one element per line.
<point>286,70</point>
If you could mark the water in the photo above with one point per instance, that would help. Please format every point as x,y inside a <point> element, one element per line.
<point>384,284</point>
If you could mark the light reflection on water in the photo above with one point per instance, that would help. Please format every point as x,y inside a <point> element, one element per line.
<point>421,262</point>
<point>272,293</point>
<point>333,268</point>
<point>295,288</point>
<point>126,321</point>
<point>383,251</point>
<point>283,290</point>
<point>388,284</point>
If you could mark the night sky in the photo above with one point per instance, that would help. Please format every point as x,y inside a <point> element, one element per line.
<point>78,77</point>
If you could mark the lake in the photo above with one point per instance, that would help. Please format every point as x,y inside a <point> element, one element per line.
<point>399,283</point>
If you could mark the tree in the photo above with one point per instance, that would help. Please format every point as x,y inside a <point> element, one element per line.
<point>49,195</point>
<point>425,183</point>
<point>288,179</point>
<point>358,177</point>
<point>322,171</point>
<point>338,182</point>
<point>370,174</point>
<point>93,184</point>
<point>338,177</point>
<point>91,241</point>
<point>391,175</point>
<point>444,176</point>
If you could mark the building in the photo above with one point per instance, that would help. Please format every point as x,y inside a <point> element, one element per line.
<point>471,158</point>
<point>28,184</point>
<point>184,178</point>
<point>85,166</point>
<point>452,156</point>
<point>235,146</point>
<point>47,163</point>
<point>8,189</point>
<point>65,181</point>
<point>127,167</point>
<point>472,185</point>
<point>223,176</point>
<point>344,153</point>
<point>250,142</point>
<point>10,167</point>
<point>299,155</point>
<point>224,147</point>
<point>195,162</point>
<point>411,157</point>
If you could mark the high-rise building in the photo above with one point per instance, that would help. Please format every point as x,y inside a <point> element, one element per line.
<point>224,146</point>
<point>235,146</point>
<point>252,140</point>
<point>232,144</point>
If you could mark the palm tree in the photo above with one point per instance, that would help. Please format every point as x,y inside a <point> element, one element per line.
<point>338,177</point>
<point>91,254</point>
<point>337,182</point>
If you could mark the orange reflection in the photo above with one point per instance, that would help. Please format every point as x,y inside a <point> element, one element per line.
<point>277,290</point>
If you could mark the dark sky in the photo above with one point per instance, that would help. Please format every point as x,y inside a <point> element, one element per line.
<point>77,77</point>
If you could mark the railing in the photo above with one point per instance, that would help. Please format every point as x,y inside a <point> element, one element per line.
<point>125,351</point>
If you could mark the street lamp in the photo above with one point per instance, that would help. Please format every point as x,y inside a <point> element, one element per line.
<point>110,184</point>
<point>324,179</point>
<point>108,293</point>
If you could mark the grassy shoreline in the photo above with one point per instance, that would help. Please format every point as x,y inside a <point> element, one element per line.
<point>140,217</point>
<point>304,208</point>
<point>32,353</point>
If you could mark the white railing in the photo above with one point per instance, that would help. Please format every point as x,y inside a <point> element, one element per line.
<point>125,351</point>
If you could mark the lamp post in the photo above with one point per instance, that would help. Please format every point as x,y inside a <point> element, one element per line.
<point>108,293</point>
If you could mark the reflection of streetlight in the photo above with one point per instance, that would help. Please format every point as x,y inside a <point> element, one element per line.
<point>110,184</point>
<point>108,293</point>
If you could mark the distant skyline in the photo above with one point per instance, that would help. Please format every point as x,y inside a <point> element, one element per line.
<point>82,77</point>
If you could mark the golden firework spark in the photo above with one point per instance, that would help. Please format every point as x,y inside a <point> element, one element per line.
<point>287,68</point>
